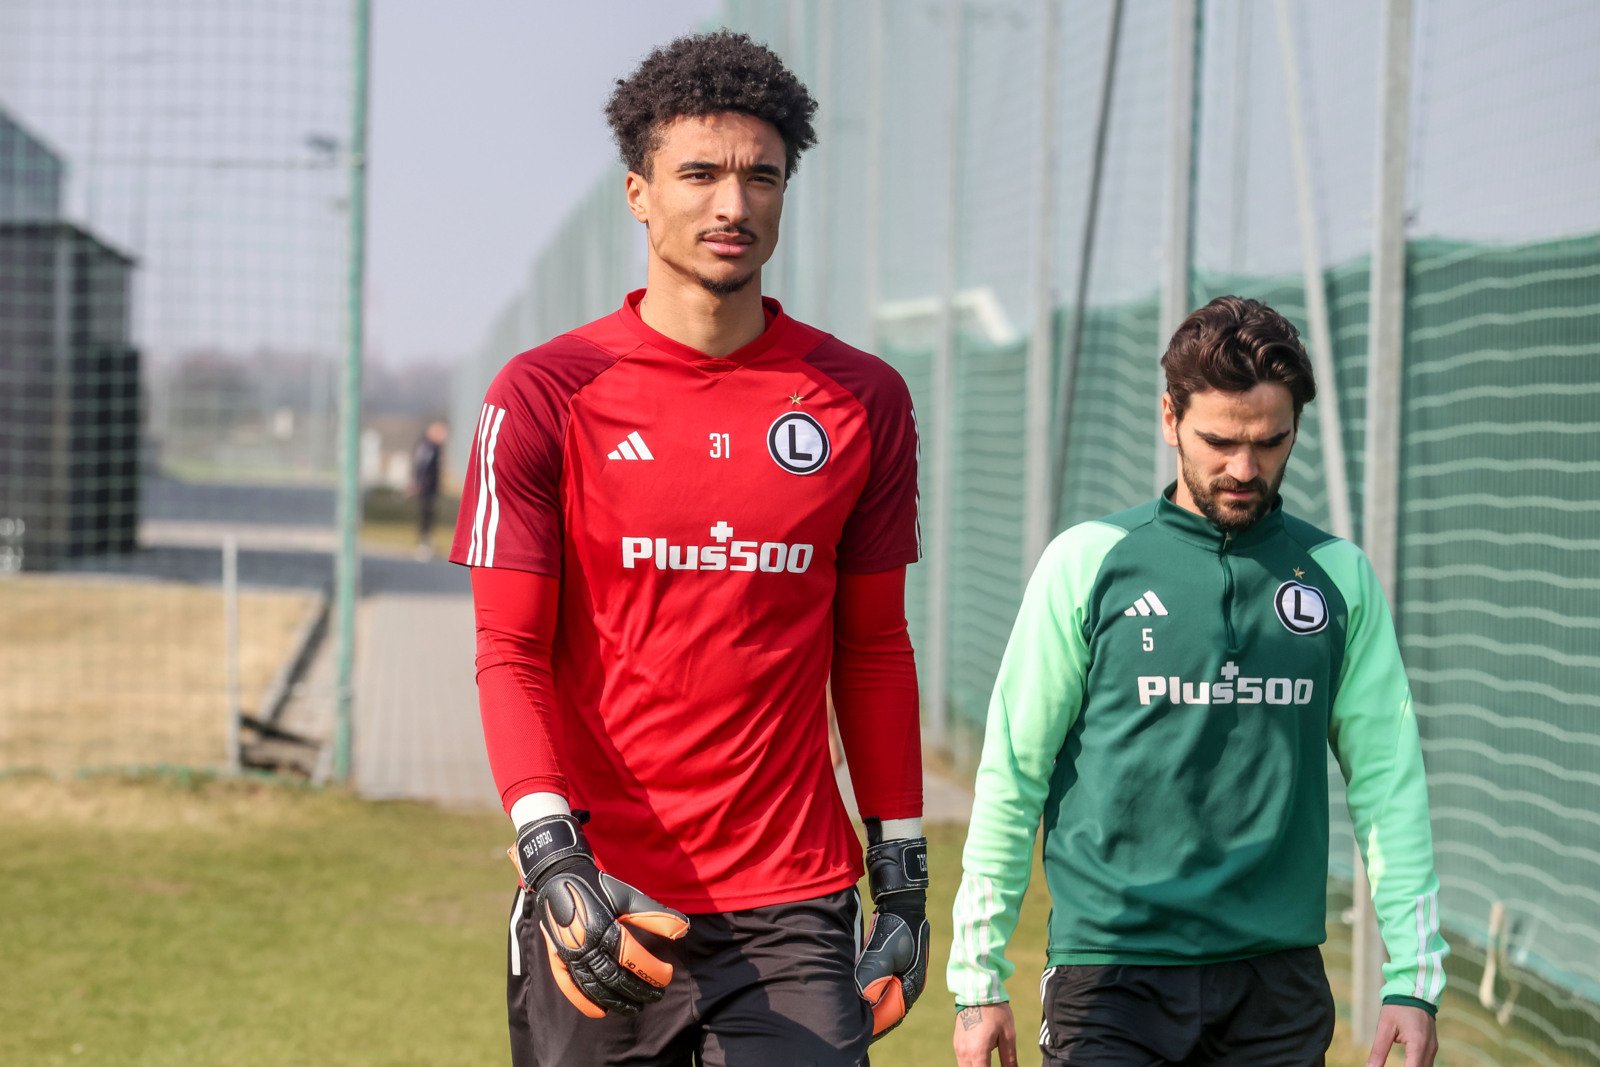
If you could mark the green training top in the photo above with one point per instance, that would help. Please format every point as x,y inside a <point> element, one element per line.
<point>1163,706</point>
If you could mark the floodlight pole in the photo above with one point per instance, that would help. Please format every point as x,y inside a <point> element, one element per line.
<point>348,562</point>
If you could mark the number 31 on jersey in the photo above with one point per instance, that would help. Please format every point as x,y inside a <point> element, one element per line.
<point>721,447</point>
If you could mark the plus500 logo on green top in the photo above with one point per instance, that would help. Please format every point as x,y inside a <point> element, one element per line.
<point>1231,688</point>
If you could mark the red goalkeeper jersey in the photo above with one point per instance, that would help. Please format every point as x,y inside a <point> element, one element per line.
<point>697,512</point>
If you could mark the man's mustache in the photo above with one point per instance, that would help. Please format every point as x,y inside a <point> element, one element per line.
<point>723,231</point>
<point>1228,485</point>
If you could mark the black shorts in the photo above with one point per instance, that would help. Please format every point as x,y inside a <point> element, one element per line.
<point>1274,1010</point>
<point>771,986</point>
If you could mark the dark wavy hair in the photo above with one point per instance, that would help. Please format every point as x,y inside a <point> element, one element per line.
<point>705,74</point>
<point>1234,344</point>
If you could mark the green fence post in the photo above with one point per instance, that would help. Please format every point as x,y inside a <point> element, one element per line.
<point>348,567</point>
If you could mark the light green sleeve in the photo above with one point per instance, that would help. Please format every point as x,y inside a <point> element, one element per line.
<point>1037,696</point>
<point>1373,733</point>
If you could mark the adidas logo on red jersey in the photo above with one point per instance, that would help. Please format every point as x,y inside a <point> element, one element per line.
<point>632,447</point>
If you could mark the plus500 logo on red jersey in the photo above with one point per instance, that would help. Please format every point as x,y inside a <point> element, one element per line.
<point>773,557</point>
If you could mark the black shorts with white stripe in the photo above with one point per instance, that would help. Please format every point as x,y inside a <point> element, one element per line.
<point>772,986</point>
<point>1273,1011</point>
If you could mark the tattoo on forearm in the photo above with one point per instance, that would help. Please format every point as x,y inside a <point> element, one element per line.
<point>970,1017</point>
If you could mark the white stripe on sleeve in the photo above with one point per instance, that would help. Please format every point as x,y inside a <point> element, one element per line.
<point>494,497</point>
<point>475,553</point>
<point>1429,962</point>
<point>1420,987</point>
<point>976,904</point>
<point>1436,987</point>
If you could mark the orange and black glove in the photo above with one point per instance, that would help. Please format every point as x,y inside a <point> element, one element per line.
<point>588,919</point>
<point>894,964</point>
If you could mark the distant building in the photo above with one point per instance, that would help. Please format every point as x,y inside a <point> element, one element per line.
<point>70,378</point>
<point>31,176</point>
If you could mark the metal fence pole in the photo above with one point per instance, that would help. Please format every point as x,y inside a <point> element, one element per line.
<point>819,277</point>
<point>1244,33</point>
<point>348,565</point>
<point>1038,513</point>
<point>1066,377</point>
<point>230,637</point>
<point>1385,363</point>
<point>872,268</point>
<point>1178,242</point>
<point>789,260</point>
<point>941,428</point>
<point>1333,463</point>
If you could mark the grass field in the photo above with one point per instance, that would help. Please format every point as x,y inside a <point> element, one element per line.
<point>181,920</point>
<point>99,672</point>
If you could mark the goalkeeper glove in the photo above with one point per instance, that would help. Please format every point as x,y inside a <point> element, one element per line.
<point>588,918</point>
<point>894,965</point>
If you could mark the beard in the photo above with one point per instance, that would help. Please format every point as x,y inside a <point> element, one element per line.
<point>1230,515</point>
<point>724,286</point>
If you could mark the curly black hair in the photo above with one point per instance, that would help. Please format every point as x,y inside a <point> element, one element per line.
<point>705,74</point>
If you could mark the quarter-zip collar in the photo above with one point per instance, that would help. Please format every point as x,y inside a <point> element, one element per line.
<point>1201,531</point>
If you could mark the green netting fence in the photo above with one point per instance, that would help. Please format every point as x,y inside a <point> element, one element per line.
<point>962,218</point>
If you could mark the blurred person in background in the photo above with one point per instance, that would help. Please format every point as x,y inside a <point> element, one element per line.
<point>1174,680</point>
<point>681,520</point>
<point>426,460</point>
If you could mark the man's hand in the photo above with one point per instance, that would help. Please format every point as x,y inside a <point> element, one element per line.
<point>894,964</point>
<point>1408,1026</point>
<point>980,1031</point>
<point>586,916</point>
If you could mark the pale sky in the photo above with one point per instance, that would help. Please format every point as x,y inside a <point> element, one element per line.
<point>207,138</point>
<point>486,129</point>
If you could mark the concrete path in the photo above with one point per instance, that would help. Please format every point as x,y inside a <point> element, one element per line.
<point>417,734</point>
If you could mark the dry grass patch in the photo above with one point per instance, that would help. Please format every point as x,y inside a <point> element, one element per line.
<point>98,672</point>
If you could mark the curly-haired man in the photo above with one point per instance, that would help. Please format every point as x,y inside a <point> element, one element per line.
<point>683,520</point>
